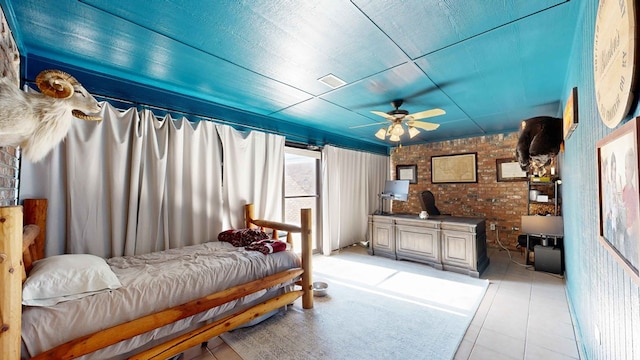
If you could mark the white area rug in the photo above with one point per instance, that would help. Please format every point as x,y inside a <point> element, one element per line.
<point>376,308</point>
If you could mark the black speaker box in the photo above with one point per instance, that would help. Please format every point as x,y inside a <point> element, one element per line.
<point>548,259</point>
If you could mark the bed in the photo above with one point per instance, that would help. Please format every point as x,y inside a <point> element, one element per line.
<point>166,303</point>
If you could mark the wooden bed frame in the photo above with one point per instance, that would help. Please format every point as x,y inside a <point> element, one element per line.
<point>20,246</point>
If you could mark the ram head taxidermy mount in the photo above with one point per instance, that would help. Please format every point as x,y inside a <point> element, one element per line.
<point>538,143</point>
<point>37,122</point>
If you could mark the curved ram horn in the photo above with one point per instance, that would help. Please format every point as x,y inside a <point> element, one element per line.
<point>80,115</point>
<point>55,83</point>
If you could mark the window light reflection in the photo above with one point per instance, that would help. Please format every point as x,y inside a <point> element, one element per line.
<point>437,293</point>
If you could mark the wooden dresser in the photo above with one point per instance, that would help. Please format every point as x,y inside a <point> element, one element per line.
<point>445,242</point>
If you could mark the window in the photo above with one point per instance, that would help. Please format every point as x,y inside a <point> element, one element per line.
<point>302,189</point>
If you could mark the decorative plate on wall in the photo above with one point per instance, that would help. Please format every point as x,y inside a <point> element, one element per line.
<point>614,59</point>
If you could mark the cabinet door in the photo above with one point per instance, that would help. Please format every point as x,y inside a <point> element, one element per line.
<point>418,242</point>
<point>458,249</point>
<point>382,237</point>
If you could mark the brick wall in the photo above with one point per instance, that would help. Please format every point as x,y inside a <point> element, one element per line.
<point>9,170</point>
<point>10,68</point>
<point>499,202</point>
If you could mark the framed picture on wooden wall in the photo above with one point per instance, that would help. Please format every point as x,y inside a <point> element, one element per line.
<point>459,168</point>
<point>619,207</point>
<point>509,170</point>
<point>570,115</point>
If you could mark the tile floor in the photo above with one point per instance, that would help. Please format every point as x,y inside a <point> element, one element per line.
<point>524,315</point>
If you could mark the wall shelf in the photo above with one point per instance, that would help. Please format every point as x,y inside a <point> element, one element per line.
<point>548,189</point>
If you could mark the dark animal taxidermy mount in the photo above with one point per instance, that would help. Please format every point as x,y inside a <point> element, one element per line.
<point>539,142</point>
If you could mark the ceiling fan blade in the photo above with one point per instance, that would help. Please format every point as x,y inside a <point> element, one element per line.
<point>437,87</point>
<point>365,125</point>
<point>423,125</point>
<point>383,114</point>
<point>426,114</point>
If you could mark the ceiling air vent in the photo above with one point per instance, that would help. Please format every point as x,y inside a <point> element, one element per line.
<point>332,81</point>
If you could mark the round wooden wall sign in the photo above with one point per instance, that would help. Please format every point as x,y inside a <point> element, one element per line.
<point>614,59</point>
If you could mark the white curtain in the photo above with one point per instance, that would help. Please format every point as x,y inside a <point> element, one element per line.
<point>351,182</point>
<point>179,184</point>
<point>87,187</point>
<point>193,210</point>
<point>112,190</point>
<point>253,173</point>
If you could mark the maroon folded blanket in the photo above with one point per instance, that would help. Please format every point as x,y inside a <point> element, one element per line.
<point>266,247</point>
<point>242,237</point>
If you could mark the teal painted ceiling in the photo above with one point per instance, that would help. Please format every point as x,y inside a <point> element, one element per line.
<point>256,63</point>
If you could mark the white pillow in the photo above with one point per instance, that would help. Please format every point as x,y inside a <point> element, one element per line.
<point>66,277</point>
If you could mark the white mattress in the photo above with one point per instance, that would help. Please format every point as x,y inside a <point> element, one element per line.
<point>153,282</point>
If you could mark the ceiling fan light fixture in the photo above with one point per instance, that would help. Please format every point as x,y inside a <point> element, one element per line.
<point>397,130</point>
<point>399,117</point>
<point>413,132</point>
<point>389,129</point>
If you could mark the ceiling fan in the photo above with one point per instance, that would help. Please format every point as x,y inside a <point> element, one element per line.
<point>398,116</point>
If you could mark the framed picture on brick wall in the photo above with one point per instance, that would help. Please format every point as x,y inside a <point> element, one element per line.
<point>407,172</point>
<point>459,168</point>
<point>509,170</point>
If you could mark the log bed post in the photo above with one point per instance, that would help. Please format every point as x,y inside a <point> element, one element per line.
<point>248,215</point>
<point>305,230</point>
<point>35,212</point>
<point>307,253</point>
<point>11,278</point>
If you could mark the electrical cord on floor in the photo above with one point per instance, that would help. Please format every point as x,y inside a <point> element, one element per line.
<point>508,251</point>
<point>554,275</point>
<point>528,267</point>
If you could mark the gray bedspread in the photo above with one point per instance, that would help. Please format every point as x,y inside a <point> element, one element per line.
<point>154,282</point>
